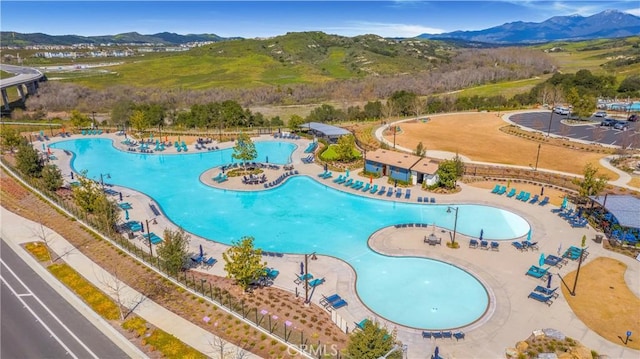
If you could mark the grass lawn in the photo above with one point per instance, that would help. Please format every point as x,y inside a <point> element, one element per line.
<point>476,135</point>
<point>604,302</point>
<point>331,155</point>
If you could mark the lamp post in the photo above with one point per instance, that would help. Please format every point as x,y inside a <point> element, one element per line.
<point>550,118</point>
<point>537,157</point>
<point>395,129</point>
<point>93,113</point>
<point>149,235</point>
<point>306,276</point>
<point>50,128</point>
<point>455,223</point>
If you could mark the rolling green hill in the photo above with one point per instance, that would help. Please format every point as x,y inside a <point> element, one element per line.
<point>307,57</point>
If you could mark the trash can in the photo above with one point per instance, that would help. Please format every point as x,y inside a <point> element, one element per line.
<point>598,238</point>
<point>131,236</point>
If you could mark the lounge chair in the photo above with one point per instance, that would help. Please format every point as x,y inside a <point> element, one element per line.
<point>420,199</point>
<point>437,335</point>
<point>530,245</point>
<point>349,182</point>
<point>544,201</point>
<point>447,334</point>
<point>366,188</point>
<point>541,298</point>
<point>197,260</point>
<point>210,261</point>
<point>526,196</point>
<point>496,189</point>
<point>272,273</point>
<point>502,190</point>
<point>519,246</point>
<point>484,245</point>
<point>534,199</point>
<point>337,180</point>
<point>554,261</point>
<point>433,200</point>
<point>537,272</point>
<point>495,246</point>
<point>374,189</point>
<point>330,299</point>
<point>520,195</point>
<point>398,192</point>
<point>382,191</point>
<point>426,334</point>
<point>362,323</point>
<point>511,193</point>
<point>316,282</point>
<point>473,243</point>
<point>458,335</point>
<point>302,278</point>
<point>390,192</point>
<point>339,304</point>
<point>407,195</point>
<point>546,291</point>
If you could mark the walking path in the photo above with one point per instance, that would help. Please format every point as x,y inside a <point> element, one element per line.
<point>511,316</point>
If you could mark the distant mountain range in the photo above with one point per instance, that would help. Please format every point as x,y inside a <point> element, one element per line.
<point>607,24</point>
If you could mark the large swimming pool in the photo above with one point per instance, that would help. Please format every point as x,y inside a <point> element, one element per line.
<point>305,216</point>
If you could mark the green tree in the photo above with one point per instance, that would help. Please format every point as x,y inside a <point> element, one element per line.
<point>79,120</point>
<point>294,122</point>
<point>403,102</point>
<point>346,148</point>
<point>245,149</point>
<point>459,165</point>
<point>592,183</point>
<point>447,174</point>
<point>28,161</point>
<point>106,212</point>
<point>243,262</point>
<point>51,177</point>
<point>174,249</point>
<point>372,342</point>
<point>139,121</point>
<point>420,150</point>
<point>11,138</point>
<point>87,194</point>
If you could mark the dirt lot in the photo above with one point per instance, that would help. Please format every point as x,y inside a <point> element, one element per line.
<point>483,141</point>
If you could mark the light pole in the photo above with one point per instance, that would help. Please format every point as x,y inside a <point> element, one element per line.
<point>50,128</point>
<point>395,129</point>
<point>550,118</point>
<point>94,118</point>
<point>537,157</point>
<point>455,223</point>
<point>306,276</point>
<point>149,235</point>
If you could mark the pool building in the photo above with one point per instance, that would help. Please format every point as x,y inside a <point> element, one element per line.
<point>403,167</point>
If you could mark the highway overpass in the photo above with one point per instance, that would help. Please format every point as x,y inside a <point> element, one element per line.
<point>26,80</point>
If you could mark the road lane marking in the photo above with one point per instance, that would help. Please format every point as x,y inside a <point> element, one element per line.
<point>93,355</point>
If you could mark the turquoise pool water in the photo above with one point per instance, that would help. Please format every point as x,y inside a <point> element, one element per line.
<point>304,216</point>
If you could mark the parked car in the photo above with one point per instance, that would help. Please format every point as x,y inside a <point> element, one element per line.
<point>600,114</point>
<point>619,125</point>
<point>562,111</point>
<point>608,122</point>
<point>633,118</point>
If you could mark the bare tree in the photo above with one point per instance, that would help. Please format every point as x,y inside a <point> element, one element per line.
<point>115,287</point>
<point>222,349</point>
<point>45,237</point>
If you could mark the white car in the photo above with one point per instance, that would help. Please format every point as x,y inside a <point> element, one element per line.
<point>600,114</point>
<point>562,111</point>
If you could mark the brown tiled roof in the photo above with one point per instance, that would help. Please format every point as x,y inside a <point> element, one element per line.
<point>393,158</point>
<point>426,165</point>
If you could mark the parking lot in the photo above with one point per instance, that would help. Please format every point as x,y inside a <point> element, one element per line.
<point>589,131</point>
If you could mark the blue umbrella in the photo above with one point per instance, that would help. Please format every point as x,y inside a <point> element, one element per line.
<point>529,236</point>
<point>201,251</point>
<point>436,353</point>
<point>126,214</point>
<point>564,202</point>
<point>560,249</point>
<point>481,233</point>
<point>549,281</point>
<point>541,260</point>
<point>301,268</point>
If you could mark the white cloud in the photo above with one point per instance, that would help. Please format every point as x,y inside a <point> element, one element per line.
<point>384,29</point>
<point>635,11</point>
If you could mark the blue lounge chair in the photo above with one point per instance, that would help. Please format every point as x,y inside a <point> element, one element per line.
<point>390,192</point>
<point>272,273</point>
<point>210,261</point>
<point>511,193</point>
<point>502,190</point>
<point>537,272</point>
<point>541,298</point>
<point>362,323</point>
<point>520,195</point>
<point>554,261</point>
<point>546,291</point>
<point>374,189</point>
<point>437,335</point>
<point>526,197</point>
<point>330,299</point>
<point>398,192</point>
<point>495,246</point>
<point>484,245</point>
<point>496,189</point>
<point>408,194</point>
<point>316,282</point>
<point>544,201</point>
<point>519,246</point>
<point>458,335</point>
<point>534,199</point>
<point>382,191</point>
<point>125,205</point>
<point>197,260</point>
<point>349,182</point>
<point>473,243</point>
<point>447,334</point>
<point>337,180</point>
<point>433,200</point>
<point>426,334</point>
<point>366,188</point>
<point>339,304</point>
<point>420,199</point>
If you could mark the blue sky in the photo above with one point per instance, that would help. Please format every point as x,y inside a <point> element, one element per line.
<point>402,18</point>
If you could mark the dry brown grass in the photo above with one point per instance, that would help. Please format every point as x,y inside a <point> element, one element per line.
<point>635,182</point>
<point>478,136</point>
<point>603,300</point>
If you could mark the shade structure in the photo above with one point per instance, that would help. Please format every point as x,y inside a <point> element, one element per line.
<point>541,260</point>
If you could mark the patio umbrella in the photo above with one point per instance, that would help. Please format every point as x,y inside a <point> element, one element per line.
<point>141,227</point>
<point>43,148</point>
<point>564,202</point>
<point>560,249</point>
<point>201,251</point>
<point>301,268</point>
<point>267,159</point>
<point>549,281</point>
<point>126,214</point>
<point>481,233</point>
<point>370,179</point>
<point>436,353</point>
<point>325,167</point>
<point>120,196</point>
<point>541,260</point>
<point>347,173</point>
<point>529,236</point>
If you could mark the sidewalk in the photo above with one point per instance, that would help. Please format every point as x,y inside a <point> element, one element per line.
<point>22,230</point>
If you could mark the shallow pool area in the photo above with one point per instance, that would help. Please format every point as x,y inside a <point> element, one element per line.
<point>304,216</point>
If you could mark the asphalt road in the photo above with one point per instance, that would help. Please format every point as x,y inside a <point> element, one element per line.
<point>590,131</point>
<point>36,322</point>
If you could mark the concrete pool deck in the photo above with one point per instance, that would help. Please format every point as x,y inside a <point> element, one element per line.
<point>511,316</point>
